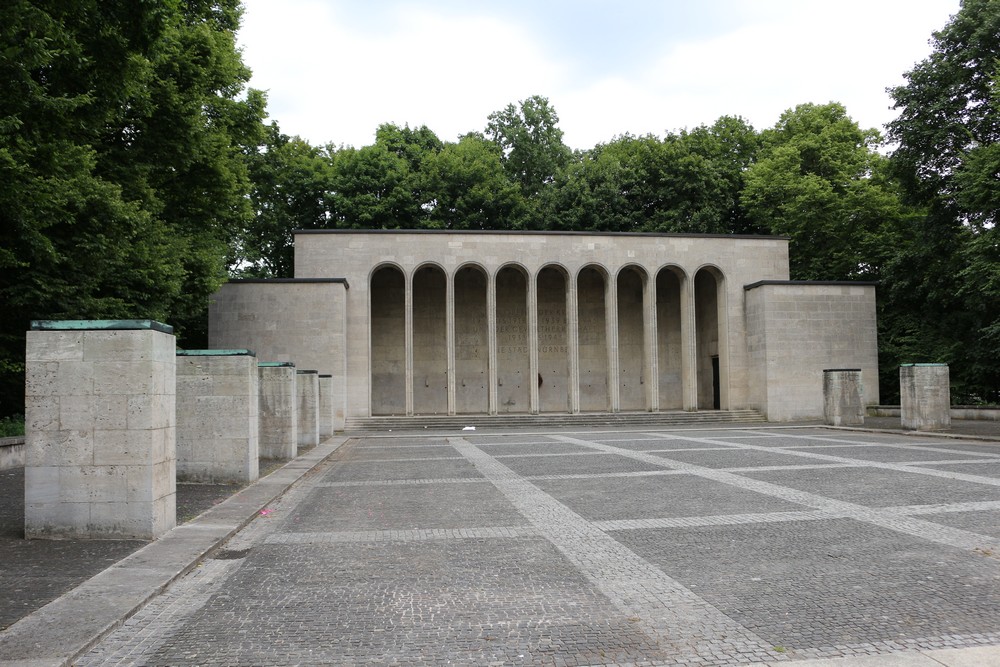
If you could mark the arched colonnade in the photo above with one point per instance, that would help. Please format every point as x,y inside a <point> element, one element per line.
<point>512,340</point>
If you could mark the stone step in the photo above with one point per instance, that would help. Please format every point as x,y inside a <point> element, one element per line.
<point>662,419</point>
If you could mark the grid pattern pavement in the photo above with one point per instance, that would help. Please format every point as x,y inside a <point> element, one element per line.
<point>695,547</point>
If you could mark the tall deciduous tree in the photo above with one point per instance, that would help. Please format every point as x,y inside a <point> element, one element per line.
<point>530,141</point>
<point>291,181</point>
<point>122,142</point>
<point>948,159</point>
<point>820,181</point>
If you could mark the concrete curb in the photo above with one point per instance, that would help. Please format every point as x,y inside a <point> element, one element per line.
<point>72,624</point>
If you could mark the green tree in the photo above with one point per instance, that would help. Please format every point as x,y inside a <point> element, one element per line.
<point>465,187</point>
<point>820,181</point>
<point>290,184</point>
<point>689,182</point>
<point>122,145</point>
<point>530,141</point>
<point>373,188</point>
<point>947,158</point>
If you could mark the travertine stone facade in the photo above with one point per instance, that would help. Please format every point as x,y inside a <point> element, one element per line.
<point>99,430</point>
<point>325,406</point>
<point>425,323</point>
<point>277,410</point>
<point>302,321</point>
<point>307,407</point>
<point>796,330</point>
<point>843,404</point>
<point>925,397</point>
<point>217,424</point>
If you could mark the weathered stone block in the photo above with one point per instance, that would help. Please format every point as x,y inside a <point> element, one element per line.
<point>99,430</point>
<point>277,410</point>
<point>925,397</point>
<point>843,402</point>
<point>217,431</point>
<point>307,391</point>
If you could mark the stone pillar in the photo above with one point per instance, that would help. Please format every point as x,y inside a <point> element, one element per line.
<point>99,430</point>
<point>532,324</point>
<point>407,343</point>
<point>491,343</point>
<point>277,410</point>
<point>449,310</point>
<point>217,421</point>
<point>573,341</point>
<point>843,404</point>
<point>652,371</point>
<point>689,346</point>
<point>925,397</point>
<point>611,340</point>
<point>325,406</point>
<point>307,391</point>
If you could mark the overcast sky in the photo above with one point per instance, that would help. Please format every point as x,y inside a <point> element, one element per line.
<point>336,69</point>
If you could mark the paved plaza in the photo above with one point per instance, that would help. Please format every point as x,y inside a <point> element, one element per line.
<point>698,547</point>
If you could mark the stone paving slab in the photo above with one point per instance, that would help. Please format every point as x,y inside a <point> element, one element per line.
<point>707,566</point>
<point>69,625</point>
<point>877,487</point>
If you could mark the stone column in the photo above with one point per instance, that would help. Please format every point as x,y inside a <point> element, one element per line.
<point>450,343</point>
<point>689,346</point>
<point>100,434</point>
<point>925,397</point>
<point>843,404</point>
<point>307,391</point>
<point>491,341</point>
<point>217,421</point>
<point>277,410</point>
<point>407,342</point>
<point>532,323</point>
<point>325,385</point>
<point>652,378</point>
<point>573,341</point>
<point>611,340</point>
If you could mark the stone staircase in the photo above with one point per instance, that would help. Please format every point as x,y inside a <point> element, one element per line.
<point>553,420</point>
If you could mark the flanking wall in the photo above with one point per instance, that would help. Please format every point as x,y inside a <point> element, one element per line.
<point>441,322</point>
<point>795,330</point>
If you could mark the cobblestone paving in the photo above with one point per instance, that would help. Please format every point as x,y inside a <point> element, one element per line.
<point>715,547</point>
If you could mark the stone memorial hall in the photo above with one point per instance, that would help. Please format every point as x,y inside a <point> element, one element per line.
<point>413,323</point>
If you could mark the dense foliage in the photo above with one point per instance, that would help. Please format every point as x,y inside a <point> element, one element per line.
<point>136,171</point>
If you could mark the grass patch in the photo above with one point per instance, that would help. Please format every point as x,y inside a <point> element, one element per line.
<point>11,426</point>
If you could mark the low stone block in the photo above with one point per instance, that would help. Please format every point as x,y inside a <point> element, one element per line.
<point>307,390</point>
<point>277,410</point>
<point>217,430</point>
<point>99,430</point>
<point>925,397</point>
<point>843,402</point>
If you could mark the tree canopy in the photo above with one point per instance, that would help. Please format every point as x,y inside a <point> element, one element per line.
<point>137,171</point>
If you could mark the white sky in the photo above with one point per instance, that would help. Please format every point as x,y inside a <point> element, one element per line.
<point>336,69</point>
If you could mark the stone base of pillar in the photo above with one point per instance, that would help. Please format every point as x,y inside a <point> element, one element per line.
<point>925,397</point>
<point>99,430</point>
<point>843,404</point>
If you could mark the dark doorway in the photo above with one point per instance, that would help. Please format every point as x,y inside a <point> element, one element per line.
<point>716,398</point>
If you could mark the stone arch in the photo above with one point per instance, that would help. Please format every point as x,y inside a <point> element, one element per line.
<point>552,283</point>
<point>711,356</point>
<point>592,294</point>
<point>387,340</point>
<point>430,350</point>
<point>670,284</point>
<point>472,340</point>
<point>513,358</point>
<point>632,285</point>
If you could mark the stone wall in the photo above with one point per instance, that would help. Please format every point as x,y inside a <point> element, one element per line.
<point>217,416</point>
<point>302,321</point>
<point>795,331</point>
<point>100,430</point>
